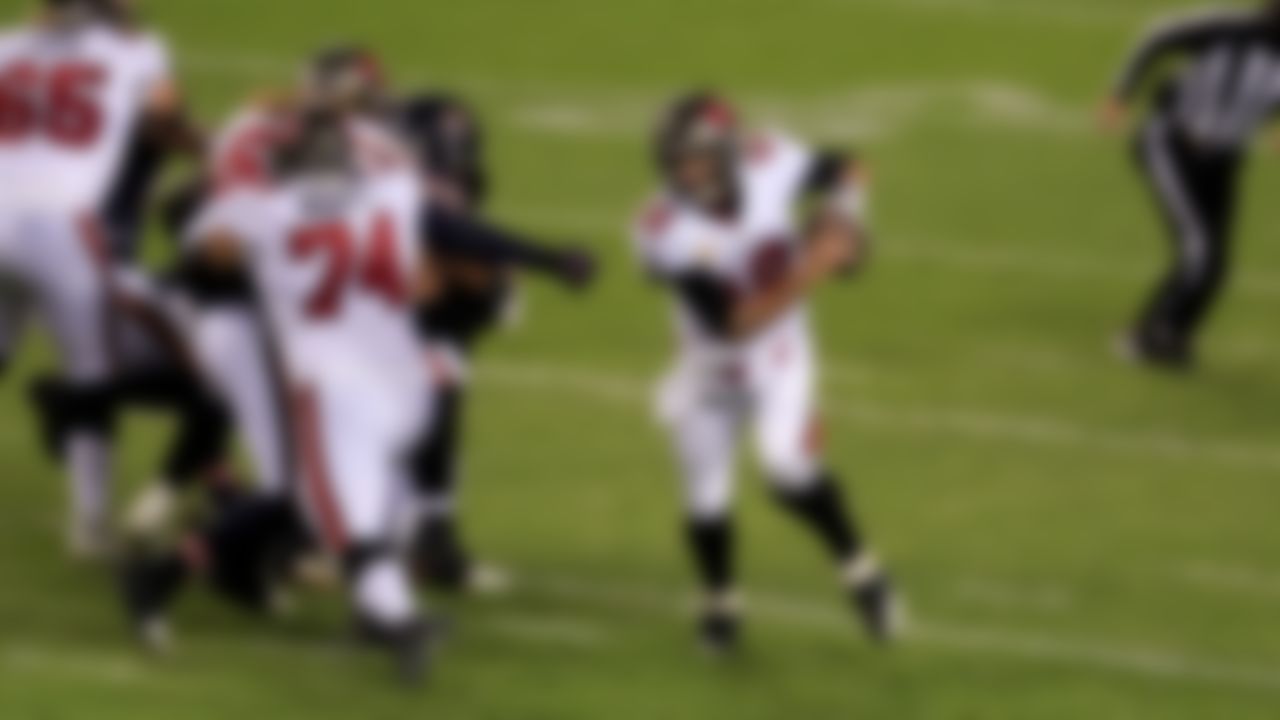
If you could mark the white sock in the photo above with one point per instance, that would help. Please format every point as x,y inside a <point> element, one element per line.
<point>89,467</point>
<point>860,570</point>
<point>383,594</point>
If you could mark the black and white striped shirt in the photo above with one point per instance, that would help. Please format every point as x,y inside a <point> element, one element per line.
<point>1227,85</point>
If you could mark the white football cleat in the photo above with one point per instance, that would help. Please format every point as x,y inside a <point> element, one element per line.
<point>153,513</point>
<point>89,540</point>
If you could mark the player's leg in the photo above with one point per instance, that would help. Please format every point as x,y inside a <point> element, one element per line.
<point>1216,187</point>
<point>705,434</point>
<point>789,440</point>
<point>245,550</point>
<point>12,311</point>
<point>155,370</point>
<point>12,321</point>
<point>197,454</point>
<point>236,359</point>
<point>438,552</point>
<point>1164,334</point>
<point>71,286</point>
<point>351,472</point>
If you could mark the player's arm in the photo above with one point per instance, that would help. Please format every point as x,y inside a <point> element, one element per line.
<point>213,256</point>
<point>1168,39</point>
<point>840,183</point>
<point>166,118</point>
<point>169,122</point>
<point>733,315</point>
<point>217,250</point>
<point>458,235</point>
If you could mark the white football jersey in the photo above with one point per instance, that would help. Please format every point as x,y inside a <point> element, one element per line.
<point>335,264</point>
<point>70,102</point>
<point>241,152</point>
<point>746,253</point>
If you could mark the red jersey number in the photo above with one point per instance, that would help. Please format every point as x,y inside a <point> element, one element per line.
<point>369,265</point>
<point>59,103</point>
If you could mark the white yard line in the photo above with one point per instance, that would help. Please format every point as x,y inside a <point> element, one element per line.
<point>1003,596</point>
<point>100,667</point>
<point>952,255</point>
<point>828,618</point>
<point>964,423</point>
<point>862,113</point>
<point>1055,14</point>
<point>565,632</point>
<point>1233,579</point>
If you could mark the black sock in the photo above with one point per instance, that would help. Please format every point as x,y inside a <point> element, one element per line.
<point>820,506</point>
<point>712,543</point>
<point>250,545</point>
<point>204,434</point>
<point>435,461</point>
<point>153,583</point>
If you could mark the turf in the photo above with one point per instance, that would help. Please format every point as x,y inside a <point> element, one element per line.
<point>1077,538</point>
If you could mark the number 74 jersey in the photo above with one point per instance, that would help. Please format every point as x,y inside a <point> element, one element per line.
<point>336,266</point>
<point>69,104</point>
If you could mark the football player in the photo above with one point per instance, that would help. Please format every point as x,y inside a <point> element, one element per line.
<point>476,272</point>
<point>76,86</point>
<point>476,294</point>
<point>721,236</point>
<point>332,240</point>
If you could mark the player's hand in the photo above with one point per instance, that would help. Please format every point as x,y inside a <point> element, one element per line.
<point>577,268</point>
<point>833,249</point>
<point>1113,115</point>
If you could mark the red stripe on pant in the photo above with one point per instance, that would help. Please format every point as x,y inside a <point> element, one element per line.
<point>317,483</point>
<point>93,238</point>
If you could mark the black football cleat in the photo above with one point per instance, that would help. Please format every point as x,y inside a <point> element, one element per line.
<point>441,562</point>
<point>439,558</point>
<point>1141,348</point>
<point>720,634</point>
<point>148,587</point>
<point>878,607</point>
<point>412,647</point>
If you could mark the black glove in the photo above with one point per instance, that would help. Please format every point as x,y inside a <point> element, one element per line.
<point>576,267</point>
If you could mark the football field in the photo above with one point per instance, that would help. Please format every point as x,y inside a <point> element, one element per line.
<point>1076,538</point>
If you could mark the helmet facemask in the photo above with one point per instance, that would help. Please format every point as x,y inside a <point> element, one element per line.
<point>699,154</point>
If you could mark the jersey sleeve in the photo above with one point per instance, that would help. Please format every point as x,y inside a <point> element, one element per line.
<point>782,160</point>
<point>155,63</point>
<point>239,154</point>
<point>1169,37</point>
<point>665,246</point>
<point>238,214</point>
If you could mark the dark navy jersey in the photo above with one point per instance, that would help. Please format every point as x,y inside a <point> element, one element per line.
<point>1227,84</point>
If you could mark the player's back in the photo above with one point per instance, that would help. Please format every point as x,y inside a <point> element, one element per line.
<point>69,102</point>
<point>337,264</point>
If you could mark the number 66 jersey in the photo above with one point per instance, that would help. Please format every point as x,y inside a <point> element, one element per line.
<point>69,102</point>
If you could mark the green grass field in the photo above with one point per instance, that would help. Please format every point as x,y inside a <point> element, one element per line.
<point>1076,538</point>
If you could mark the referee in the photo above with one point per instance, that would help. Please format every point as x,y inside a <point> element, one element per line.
<point>1206,107</point>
